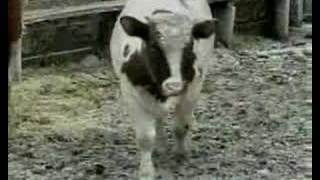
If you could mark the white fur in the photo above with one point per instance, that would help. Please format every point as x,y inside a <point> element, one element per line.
<point>144,110</point>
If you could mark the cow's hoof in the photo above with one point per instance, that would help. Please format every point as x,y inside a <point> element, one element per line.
<point>181,152</point>
<point>147,173</point>
<point>147,178</point>
<point>180,157</point>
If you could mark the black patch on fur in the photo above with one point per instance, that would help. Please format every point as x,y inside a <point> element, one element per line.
<point>188,59</point>
<point>148,69</point>
<point>204,29</point>
<point>126,50</point>
<point>134,27</point>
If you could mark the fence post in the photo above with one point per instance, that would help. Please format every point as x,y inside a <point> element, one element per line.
<point>296,13</point>
<point>281,19</point>
<point>307,8</point>
<point>225,13</point>
<point>15,28</point>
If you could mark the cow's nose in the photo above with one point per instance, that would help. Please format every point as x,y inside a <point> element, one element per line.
<point>172,87</point>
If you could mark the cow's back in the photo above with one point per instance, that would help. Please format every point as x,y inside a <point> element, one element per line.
<point>122,45</point>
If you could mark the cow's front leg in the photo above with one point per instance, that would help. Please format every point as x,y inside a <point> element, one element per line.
<point>185,118</point>
<point>145,137</point>
<point>161,139</point>
<point>183,125</point>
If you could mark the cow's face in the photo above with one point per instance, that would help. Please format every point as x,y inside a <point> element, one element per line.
<point>168,48</point>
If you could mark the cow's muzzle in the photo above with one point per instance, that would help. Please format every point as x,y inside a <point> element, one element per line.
<point>172,87</point>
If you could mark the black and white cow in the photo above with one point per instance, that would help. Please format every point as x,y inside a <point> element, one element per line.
<point>160,50</point>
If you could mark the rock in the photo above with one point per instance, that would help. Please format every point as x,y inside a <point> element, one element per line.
<point>308,174</point>
<point>307,51</point>
<point>48,167</point>
<point>67,169</point>
<point>39,170</point>
<point>306,168</point>
<point>99,168</point>
<point>308,35</point>
<point>244,53</point>
<point>309,101</point>
<point>277,52</point>
<point>299,56</point>
<point>263,55</point>
<point>264,172</point>
<point>308,148</point>
<point>28,155</point>
<point>90,61</point>
<point>299,43</point>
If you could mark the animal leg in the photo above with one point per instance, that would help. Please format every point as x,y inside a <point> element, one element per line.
<point>145,138</point>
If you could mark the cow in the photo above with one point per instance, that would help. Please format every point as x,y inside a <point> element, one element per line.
<point>160,50</point>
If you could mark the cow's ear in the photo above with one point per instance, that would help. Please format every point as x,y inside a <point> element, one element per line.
<point>204,29</point>
<point>134,27</point>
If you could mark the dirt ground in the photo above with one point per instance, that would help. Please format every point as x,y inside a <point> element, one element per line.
<point>254,120</point>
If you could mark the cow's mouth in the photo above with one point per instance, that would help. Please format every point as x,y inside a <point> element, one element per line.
<point>173,92</point>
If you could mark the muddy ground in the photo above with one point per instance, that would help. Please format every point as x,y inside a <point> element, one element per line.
<point>254,120</point>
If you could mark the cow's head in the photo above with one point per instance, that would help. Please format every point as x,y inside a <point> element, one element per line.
<point>168,47</point>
